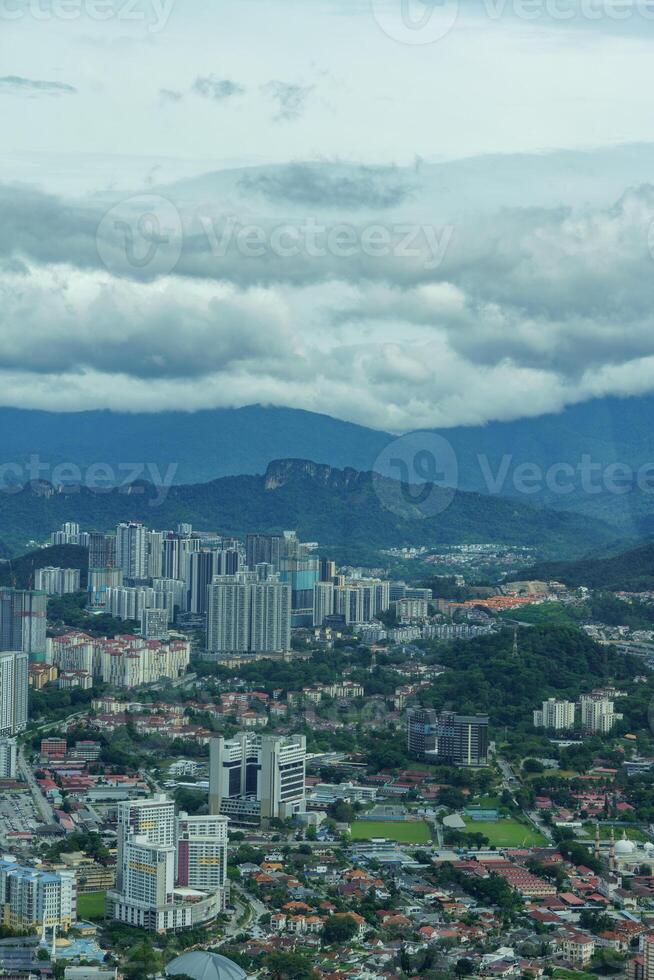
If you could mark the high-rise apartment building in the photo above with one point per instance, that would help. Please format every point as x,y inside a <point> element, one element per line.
<point>33,899</point>
<point>202,852</point>
<point>248,616</point>
<point>201,570</point>
<point>132,551</point>
<point>460,740</point>
<point>102,550</point>
<point>323,602</point>
<point>257,778</point>
<point>128,602</point>
<point>177,551</point>
<point>172,595</point>
<point>327,570</point>
<point>57,581</point>
<point>266,548</point>
<point>23,621</point>
<point>557,715</point>
<point>70,534</point>
<point>155,546</point>
<point>170,873</point>
<point>14,670</point>
<point>597,714</point>
<point>154,624</point>
<point>101,580</point>
<point>8,758</point>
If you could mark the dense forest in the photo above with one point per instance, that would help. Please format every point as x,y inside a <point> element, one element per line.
<point>484,676</point>
<point>19,572</point>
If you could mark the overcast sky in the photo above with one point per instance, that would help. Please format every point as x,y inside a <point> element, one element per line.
<point>221,202</point>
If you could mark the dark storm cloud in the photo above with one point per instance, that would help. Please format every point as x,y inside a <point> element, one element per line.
<point>315,185</point>
<point>216,89</point>
<point>290,99</point>
<point>16,85</point>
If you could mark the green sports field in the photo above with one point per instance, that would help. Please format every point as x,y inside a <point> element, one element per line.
<point>505,833</point>
<point>407,832</point>
<point>91,906</point>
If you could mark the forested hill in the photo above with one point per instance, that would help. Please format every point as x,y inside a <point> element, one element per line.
<point>631,571</point>
<point>20,572</point>
<point>345,510</point>
<point>552,662</point>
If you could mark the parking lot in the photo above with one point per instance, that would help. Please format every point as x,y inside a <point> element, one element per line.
<point>17,814</point>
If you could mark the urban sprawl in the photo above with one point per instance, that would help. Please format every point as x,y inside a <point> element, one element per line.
<point>227,758</point>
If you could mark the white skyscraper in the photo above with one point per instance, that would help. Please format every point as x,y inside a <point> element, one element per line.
<point>13,692</point>
<point>248,616</point>
<point>132,550</point>
<point>202,852</point>
<point>323,602</point>
<point>146,894</point>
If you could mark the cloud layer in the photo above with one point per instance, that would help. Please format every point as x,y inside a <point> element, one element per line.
<point>388,322</point>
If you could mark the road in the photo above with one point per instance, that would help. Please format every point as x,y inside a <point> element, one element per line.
<point>255,910</point>
<point>40,802</point>
<point>540,824</point>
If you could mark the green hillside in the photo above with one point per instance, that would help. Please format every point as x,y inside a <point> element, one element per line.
<point>342,509</point>
<point>632,571</point>
<point>19,572</point>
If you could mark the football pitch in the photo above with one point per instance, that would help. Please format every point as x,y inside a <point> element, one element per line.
<point>403,831</point>
<point>505,833</point>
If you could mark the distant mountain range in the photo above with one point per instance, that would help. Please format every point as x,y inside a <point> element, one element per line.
<point>203,446</point>
<point>352,514</point>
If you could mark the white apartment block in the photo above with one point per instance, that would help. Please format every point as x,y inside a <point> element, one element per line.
<point>202,853</point>
<point>57,581</point>
<point>559,715</point>
<point>125,661</point>
<point>323,602</point>
<point>597,714</point>
<point>245,615</point>
<point>132,550</point>
<point>128,602</point>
